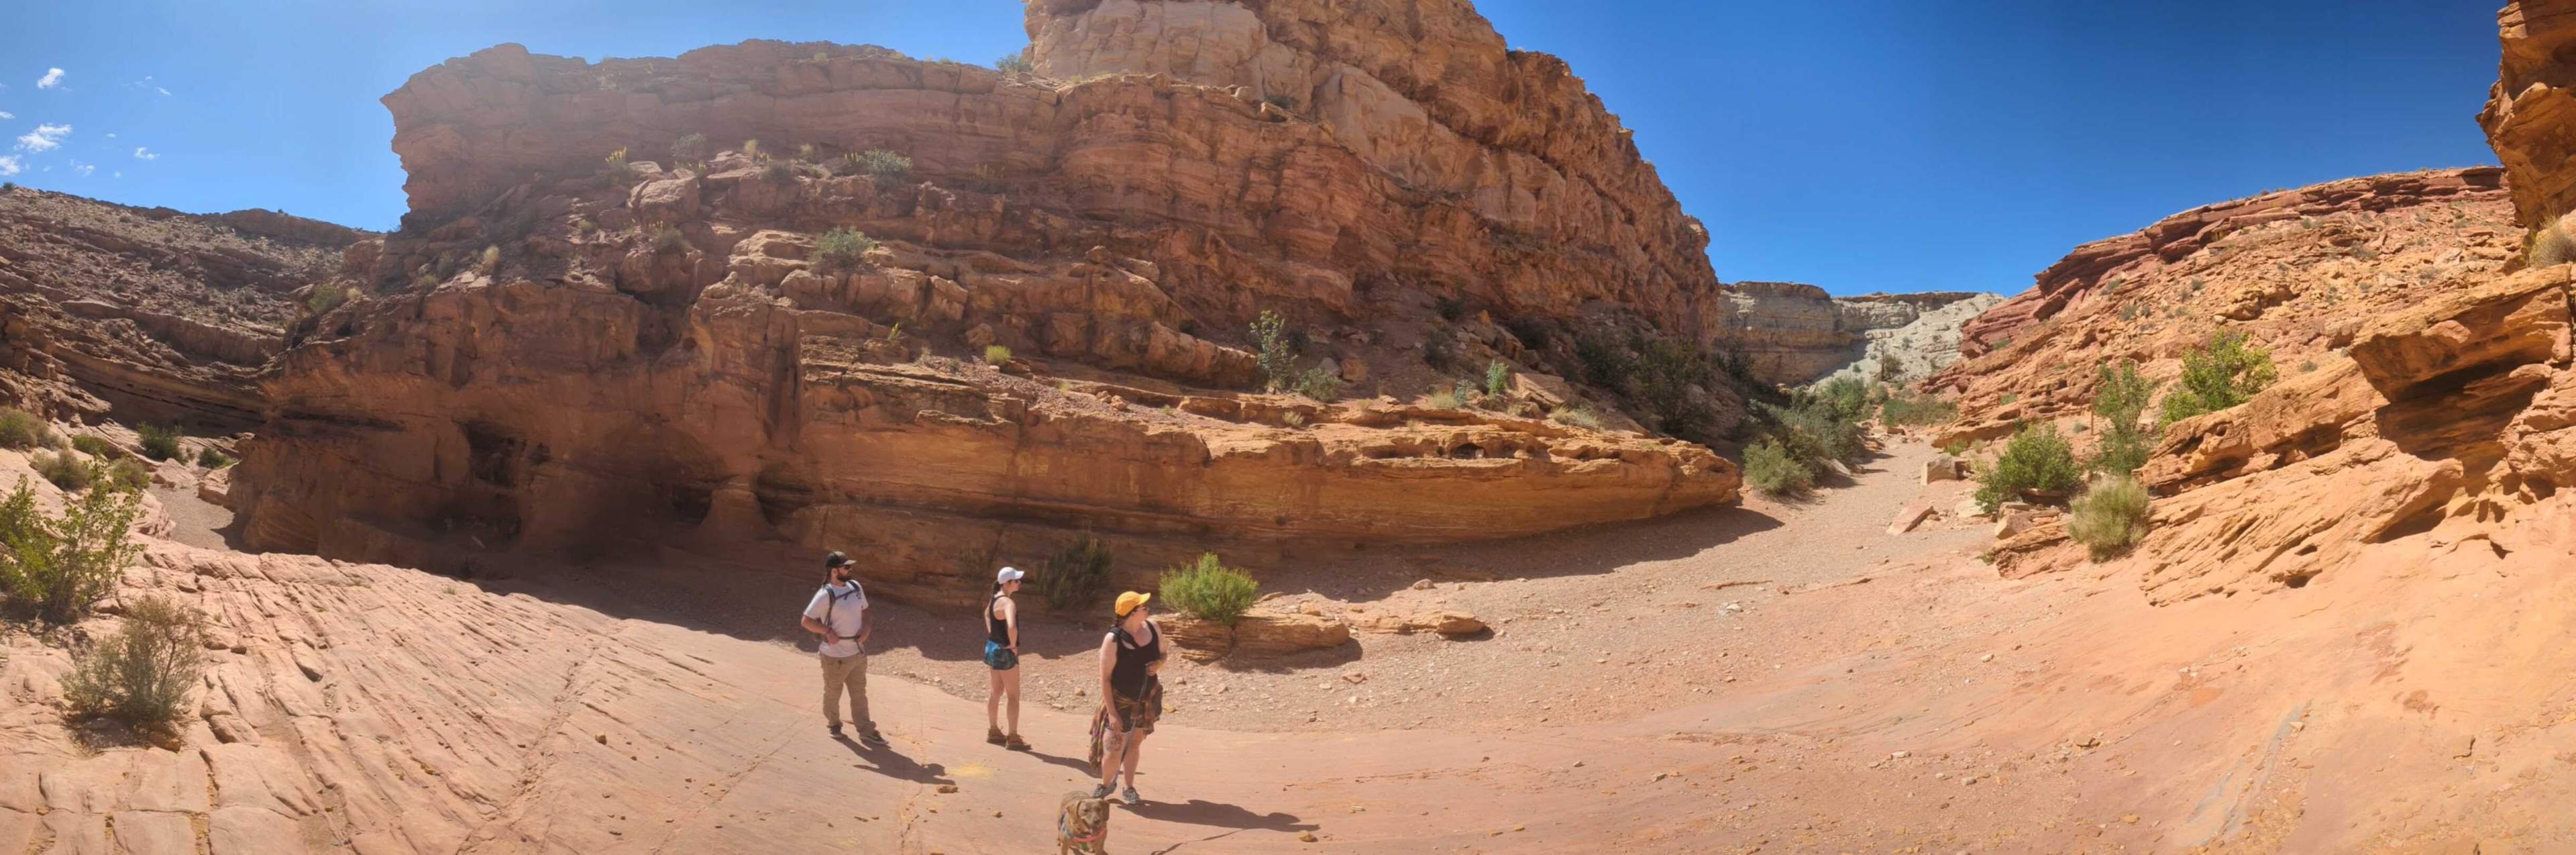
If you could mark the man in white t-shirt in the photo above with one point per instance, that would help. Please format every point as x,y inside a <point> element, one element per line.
<point>839,613</point>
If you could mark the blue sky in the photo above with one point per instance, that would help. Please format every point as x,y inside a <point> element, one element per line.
<point>1884,145</point>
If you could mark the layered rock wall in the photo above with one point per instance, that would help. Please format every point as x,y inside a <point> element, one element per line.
<point>1795,333</point>
<point>2530,115</point>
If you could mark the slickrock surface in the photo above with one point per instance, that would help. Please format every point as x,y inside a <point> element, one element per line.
<point>160,314</point>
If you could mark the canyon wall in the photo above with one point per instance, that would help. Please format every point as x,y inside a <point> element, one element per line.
<point>1794,334</point>
<point>1045,334</point>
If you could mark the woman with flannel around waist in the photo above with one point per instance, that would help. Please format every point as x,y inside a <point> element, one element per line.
<point>1131,695</point>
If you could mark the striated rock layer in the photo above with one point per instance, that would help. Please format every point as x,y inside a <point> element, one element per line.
<point>2296,272</point>
<point>564,354</point>
<point>1793,333</point>
<point>2530,115</point>
<point>148,313</point>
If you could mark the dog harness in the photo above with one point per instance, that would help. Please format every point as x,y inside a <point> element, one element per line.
<point>1085,842</point>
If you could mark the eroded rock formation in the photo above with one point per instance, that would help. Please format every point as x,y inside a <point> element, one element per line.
<point>653,352</point>
<point>2297,272</point>
<point>2530,116</point>
<point>148,313</point>
<point>1794,333</point>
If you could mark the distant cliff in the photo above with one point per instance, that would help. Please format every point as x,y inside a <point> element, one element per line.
<point>1796,333</point>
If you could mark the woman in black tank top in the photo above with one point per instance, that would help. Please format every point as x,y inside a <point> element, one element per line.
<point>1002,654</point>
<point>1131,695</point>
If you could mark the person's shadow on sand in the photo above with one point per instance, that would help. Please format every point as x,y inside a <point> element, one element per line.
<point>892,764</point>
<point>1202,812</point>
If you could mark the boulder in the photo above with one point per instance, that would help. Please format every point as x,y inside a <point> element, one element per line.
<point>1908,517</point>
<point>1443,621</point>
<point>1944,468</point>
<point>1268,629</point>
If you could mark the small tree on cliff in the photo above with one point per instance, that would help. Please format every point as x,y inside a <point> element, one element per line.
<point>1276,357</point>
<point>2120,400</point>
<point>58,566</point>
<point>2222,374</point>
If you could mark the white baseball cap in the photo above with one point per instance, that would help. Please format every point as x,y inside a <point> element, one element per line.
<point>1007,574</point>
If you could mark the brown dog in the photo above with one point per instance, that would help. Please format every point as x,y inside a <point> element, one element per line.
<point>1082,825</point>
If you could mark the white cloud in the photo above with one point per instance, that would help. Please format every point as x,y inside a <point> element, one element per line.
<point>111,136</point>
<point>4,114</point>
<point>161,90</point>
<point>44,138</point>
<point>53,77</point>
<point>9,164</point>
<point>84,168</point>
<point>140,153</point>
<point>116,174</point>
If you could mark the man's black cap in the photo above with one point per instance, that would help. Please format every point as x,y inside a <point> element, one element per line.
<point>835,559</point>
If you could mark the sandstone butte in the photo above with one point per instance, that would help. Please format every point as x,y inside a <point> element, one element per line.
<point>559,354</point>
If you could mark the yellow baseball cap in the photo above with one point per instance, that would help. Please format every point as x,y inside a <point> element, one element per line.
<point>1128,602</point>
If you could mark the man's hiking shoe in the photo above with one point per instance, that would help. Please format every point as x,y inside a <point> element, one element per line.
<point>834,727</point>
<point>871,737</point>
<point>993,735</point>
<point>1102,791</point>
<point>1015,743</point>
<point>1130,796</point>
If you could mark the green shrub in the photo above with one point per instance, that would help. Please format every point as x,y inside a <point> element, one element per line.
<point>1445,399</point>
<point>2120,399</point>
<point>1606,363</point>
<point>21,430</point>
<point>1451,307</point>
<point>667,239</point>
<point>58,566</point>
<point>1770,468</point>
<point>160,442</point>
<point>94,446</point>
<point>1847,395</point>
<point>1319,384</point>
<point>491,260</point>
<point>2037,460</point>
<point>326,297</point>
<point>1575,416</point>
<point>1210,591</point>
<point>1076,575</point>
<point>751,149</point>
<point>1912,410</point>
<point>2222,374</point>
<point>841,249</point>
<point>213,459</point>
<point>1890,368</point>
<point>1275,357</point>
<point>1814,433</point>
<point>66,471</point>
<point>2110,517</point>
<point>689,148</point>
<point>1015,63</point>
<point>883,164</point>
<point>1667,371</point>
<point>1284,102</point>
<point>1498,378</point>
<point>1532,332</point>
<point>125,473</point>
<point>995,354</point>
<point>1955,449</point>
<point>778,172</point>
<point>143,673</point>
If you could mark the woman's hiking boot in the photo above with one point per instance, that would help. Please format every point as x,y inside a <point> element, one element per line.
<point>1015,743</point>
<point>993,735</point>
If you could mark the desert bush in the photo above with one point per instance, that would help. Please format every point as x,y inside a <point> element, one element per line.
<point>2221,374</point>
<point>1210,591</point>
<point>1445,399</point>
<point>615,163</point>
<point>1498,378</point>
<point>213,459</point>
<point>689,148</point>
<point>995,354</point>
<point>2110,517</point>
<point>1440,351</point>
<point>491,260</point>
<point>1076,575</point>
<point>58,566</point>
<point>1667,371</point>
<point>66,471</point>
<point>1451,307</point>
<point>884,164</point>
<point>160,442</point>
<point>1319,384</point>
<point>751,149</point>
<point>1532,332</point>
<point>1274,355</point>
<point>1847,395</point>
<point>1575,416</point>
<point>1015,63</point>
<point>1814,433</point>
<point>21,430</point>
<point>1284,102</point>
<point>2120,401</point>
<point>842,248</point>
<point>2036,460</point>
<point>1771,469</point>
<point>125,473</point>
<point>778,172</point>
<point>94,446</point>
<point>1913,410</point>
<point>143,673</point>
<point>667,239</point>
<point>1605,362</point>
<point>325,297</point>
<point>1890,367</point>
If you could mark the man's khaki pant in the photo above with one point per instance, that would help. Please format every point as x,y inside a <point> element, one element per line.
<point>852,673</point>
